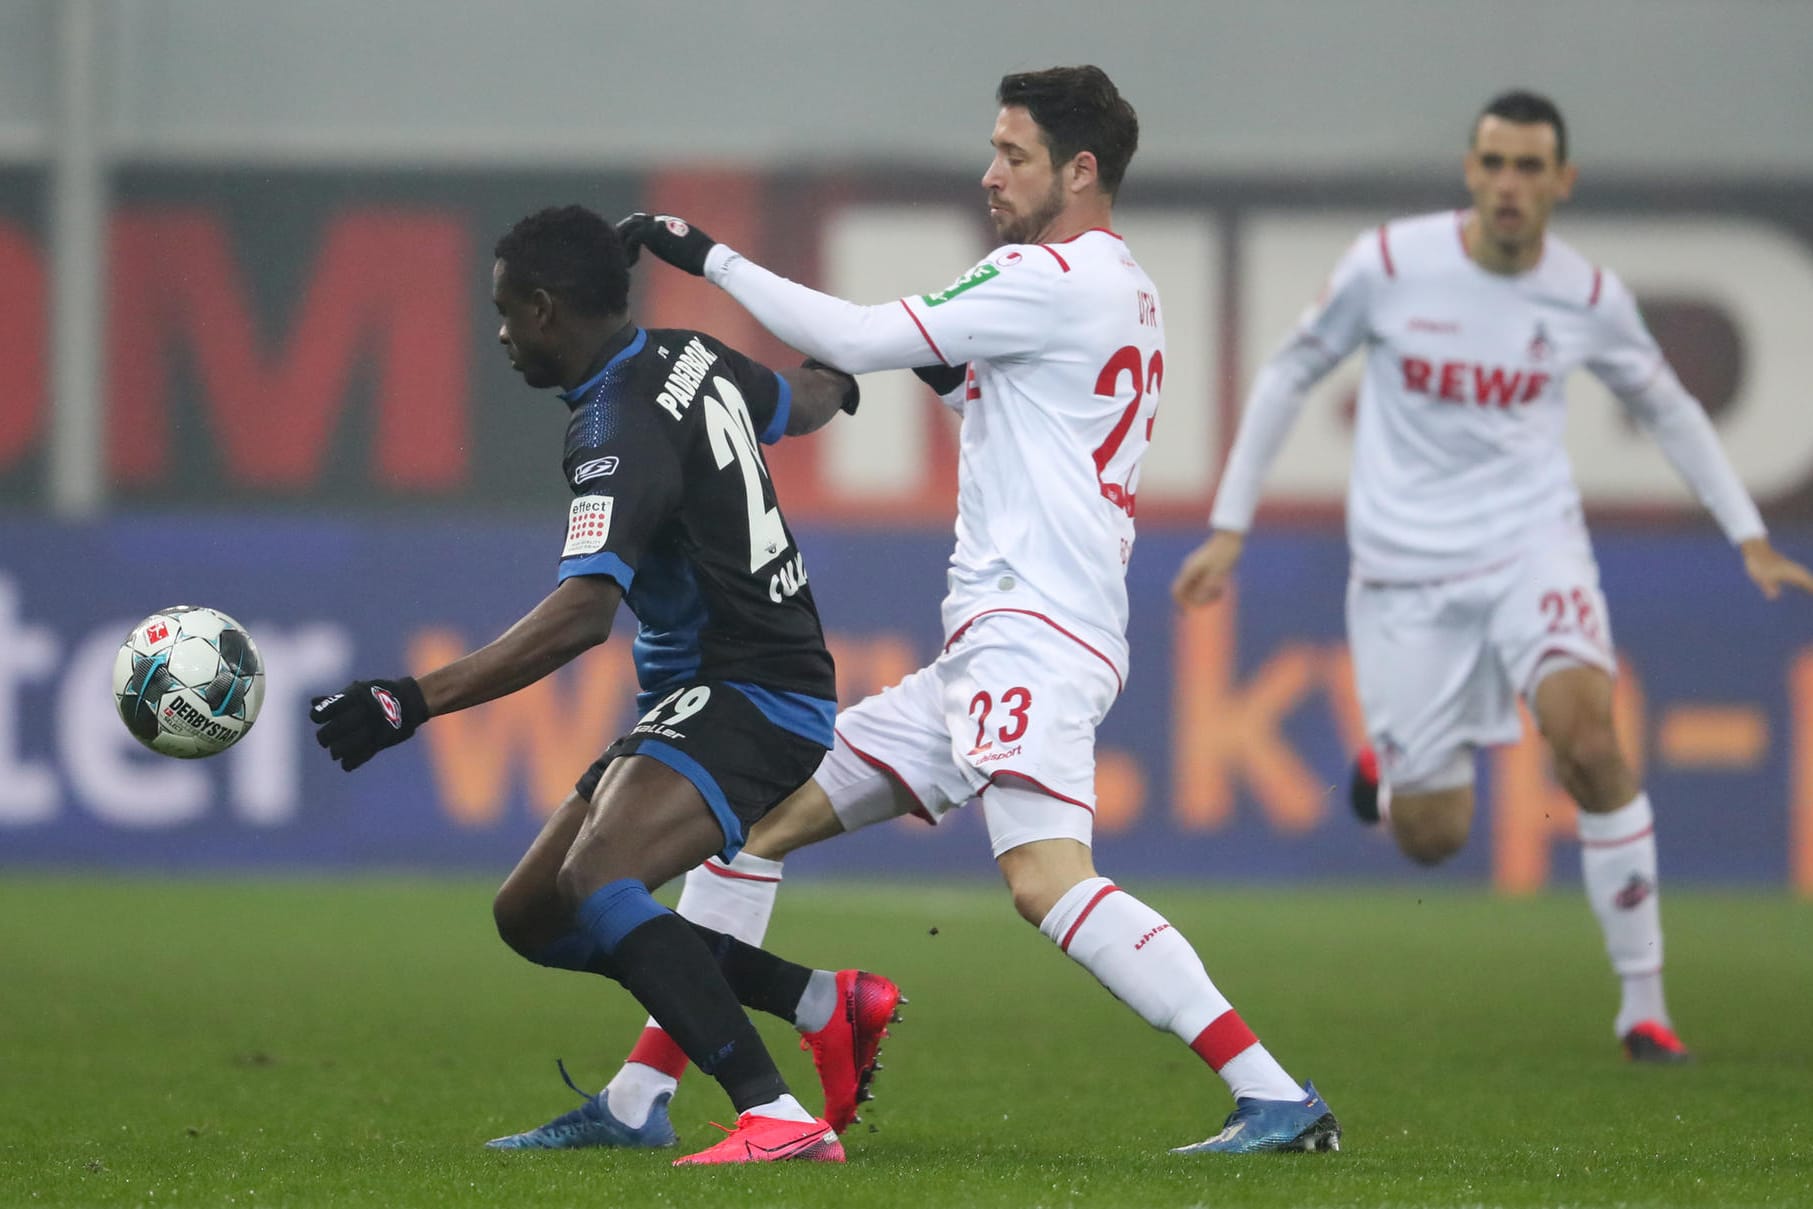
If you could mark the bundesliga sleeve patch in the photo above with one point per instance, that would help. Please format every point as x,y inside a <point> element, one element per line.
<point>588,525</point>
<point>969,281</point>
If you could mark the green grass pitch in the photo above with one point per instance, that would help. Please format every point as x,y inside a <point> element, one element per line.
<point>352,1042</point>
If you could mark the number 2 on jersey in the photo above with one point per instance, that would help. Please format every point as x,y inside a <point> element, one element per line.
<point>1126,361</point>
<point>732,438</point>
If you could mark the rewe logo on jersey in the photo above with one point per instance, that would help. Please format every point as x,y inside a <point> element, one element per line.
<point>969,281</point>
<point>1467,382</point>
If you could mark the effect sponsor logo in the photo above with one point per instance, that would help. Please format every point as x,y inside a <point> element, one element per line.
<point>393,709</point>
<point>588,525</point>
<point>969,281</point>
<point>597,468</point>
<point>1004,754</point>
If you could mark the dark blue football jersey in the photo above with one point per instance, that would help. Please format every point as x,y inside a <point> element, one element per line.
<point>672,499</point>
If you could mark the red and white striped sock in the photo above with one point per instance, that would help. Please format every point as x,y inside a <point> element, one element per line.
<point>735,898</point>
<point>1135,952</point>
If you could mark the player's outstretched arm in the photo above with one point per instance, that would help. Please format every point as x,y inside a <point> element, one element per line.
<point>572,619</point>
<point>1771,570</point>
<point>368,716</point>
<point>858,339</point>
<point>1209,569</point>
<point>819,394</point>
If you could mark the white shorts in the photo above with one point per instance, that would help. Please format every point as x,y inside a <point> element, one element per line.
<point>1013,699</point>
<point>1439,666</point>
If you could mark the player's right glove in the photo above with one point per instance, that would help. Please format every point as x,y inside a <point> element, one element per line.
<point>852,392</point>
<point>942,378</point>
<point>674,240</point>
<point>367,716</point>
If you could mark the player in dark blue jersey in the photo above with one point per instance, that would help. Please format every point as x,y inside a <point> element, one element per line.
<point>673,513</point>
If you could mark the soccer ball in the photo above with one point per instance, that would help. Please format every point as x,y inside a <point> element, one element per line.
<point>188,682</point>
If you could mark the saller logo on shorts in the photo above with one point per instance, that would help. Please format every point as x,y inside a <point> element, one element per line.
<point>393,709</point>
<point>969,281</point>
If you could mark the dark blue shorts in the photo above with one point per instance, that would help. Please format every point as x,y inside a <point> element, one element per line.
<point>742,762</point>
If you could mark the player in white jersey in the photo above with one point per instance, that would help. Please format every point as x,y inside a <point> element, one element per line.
<point>1472,579</point>
<point>1052,351</point>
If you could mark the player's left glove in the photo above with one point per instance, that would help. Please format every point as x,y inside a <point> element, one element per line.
<point>674,240</point>
<point>852,392</point>
<point>367,716</point>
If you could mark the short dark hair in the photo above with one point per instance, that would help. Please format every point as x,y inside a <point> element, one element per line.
<point>573,254</point>
<point>1526,109</point>
<point>1078,109</point>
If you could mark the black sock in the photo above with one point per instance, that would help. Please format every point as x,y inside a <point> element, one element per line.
<point>671,972</point>
<point>760,979</point>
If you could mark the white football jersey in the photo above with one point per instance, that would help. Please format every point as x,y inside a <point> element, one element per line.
<point>1065,348</point>
<point>1458,445</point>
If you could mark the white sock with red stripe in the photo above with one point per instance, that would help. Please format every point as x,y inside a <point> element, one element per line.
<point>736,899</point>
<point>1149,966</point>
<point>1618,864</point>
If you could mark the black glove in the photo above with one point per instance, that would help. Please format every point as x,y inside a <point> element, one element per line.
<point>367,716</point>
<point>672,239</point>
<point>942,378</point>
<point>852,392</point>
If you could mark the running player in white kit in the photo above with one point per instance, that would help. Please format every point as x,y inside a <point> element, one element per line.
<point>1052,351</point>
<point>1472,579</point>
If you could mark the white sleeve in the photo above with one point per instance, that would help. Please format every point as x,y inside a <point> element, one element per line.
<point>1328,331</point>
<point>1631,365</point>
<point>856,339</point>
<point>1002,307</point>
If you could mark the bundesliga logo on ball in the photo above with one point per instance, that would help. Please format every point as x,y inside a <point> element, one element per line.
<point>188,682</point>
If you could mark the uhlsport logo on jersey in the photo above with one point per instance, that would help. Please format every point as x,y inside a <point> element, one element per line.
<point>969,281</point>
<point>393,709</point>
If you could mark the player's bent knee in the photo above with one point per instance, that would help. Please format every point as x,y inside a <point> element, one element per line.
<point>1431,827</point>
<point>519,925</point>
<point>1040,873</point>
<point>1586,749</point>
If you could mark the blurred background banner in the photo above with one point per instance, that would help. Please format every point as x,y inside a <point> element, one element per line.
<point>1223,761</point>
<point>247,359</point>
<point>298,337</point>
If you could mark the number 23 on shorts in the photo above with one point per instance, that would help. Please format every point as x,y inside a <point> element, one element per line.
<point>1015,703</point>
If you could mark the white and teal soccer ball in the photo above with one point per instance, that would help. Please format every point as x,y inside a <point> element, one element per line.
<point>188,682</point>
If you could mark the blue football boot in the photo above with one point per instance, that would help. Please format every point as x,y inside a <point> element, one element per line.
<point>591,1124</point>
<point>1256,1125</point>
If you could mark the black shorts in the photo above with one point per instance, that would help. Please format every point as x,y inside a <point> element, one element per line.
<point>742,762</point>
